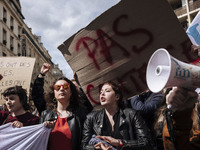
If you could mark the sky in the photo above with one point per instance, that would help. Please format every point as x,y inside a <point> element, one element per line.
<point>57,20</point>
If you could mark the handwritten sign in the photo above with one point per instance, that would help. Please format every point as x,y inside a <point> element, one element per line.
<point>15,71</point>
<point>117,45</point>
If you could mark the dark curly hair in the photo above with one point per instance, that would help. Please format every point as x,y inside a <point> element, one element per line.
<point>118,91</point>
<point>74,99</point>
<point>22,93</point>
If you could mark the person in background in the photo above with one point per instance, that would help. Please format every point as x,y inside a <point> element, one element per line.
<point>146,104</point>
<point>62,113</point>
<point>120,127</point>
<point>195,49</point>
<point>83,98</point>
<point>16,103</point>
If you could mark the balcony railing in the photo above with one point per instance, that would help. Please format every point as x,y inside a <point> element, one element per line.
<point>180,11</point>
<point>192,6</point>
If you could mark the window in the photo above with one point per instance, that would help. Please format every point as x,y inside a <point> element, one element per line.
<point>11,43</point>
<point>19,32</point>
<point>4,37</point>
<point>11,23</point>
<point>4,15</point>
<point>23,45</point>
<point>19,50</point>
<point>29,52</point>
<point>4,54</point>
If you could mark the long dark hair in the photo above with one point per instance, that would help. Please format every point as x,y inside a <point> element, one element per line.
<point>118,91</point>
<point>22,93</point>
<point>74,99</point>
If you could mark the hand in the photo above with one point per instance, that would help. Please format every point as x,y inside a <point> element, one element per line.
<point>76,78</point>
<point>196,49</point>
<point>112,141</point>
<point>49,124</point>
<point>102,146</point>
<point>45,68</point>
<point>181,98</point>
<point>17,124</point>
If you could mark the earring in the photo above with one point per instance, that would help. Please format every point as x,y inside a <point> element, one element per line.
<point>54,100</point>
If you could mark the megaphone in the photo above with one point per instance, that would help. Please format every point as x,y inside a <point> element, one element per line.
<point>164,71</point>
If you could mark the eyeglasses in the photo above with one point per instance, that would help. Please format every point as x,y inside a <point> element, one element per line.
<point>65,86</point>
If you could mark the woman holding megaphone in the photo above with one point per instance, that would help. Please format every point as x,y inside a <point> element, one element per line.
<point>183,104</point>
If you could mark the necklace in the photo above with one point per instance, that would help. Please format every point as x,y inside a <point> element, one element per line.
<point>63,113</point>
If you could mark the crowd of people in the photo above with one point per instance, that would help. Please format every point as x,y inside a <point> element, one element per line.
<point>143,122</point>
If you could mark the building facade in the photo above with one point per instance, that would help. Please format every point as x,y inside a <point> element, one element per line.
<point>17,39</point>
<point>185,10</point>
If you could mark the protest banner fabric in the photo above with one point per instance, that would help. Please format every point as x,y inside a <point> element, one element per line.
<point>33,137</point>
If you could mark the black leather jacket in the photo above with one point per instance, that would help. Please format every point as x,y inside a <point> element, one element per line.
<point>132,128</point>
<point>74,121</point>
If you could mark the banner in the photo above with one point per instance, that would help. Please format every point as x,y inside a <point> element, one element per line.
<point>15,71</point>
<point>33,137</point>
<point>117,45</point>
<point>193,30</point>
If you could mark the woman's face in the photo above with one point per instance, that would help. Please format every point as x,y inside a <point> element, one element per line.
<point>62,90</point>
<point>13,103</point>
<point>107,95</point>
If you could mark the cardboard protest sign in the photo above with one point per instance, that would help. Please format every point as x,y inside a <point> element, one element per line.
<point>117,45</point>
<point>15,71</point>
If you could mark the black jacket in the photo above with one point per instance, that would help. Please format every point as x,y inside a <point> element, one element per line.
<point>132,128</point>
<point>74,121</point>
<point>38,95</point>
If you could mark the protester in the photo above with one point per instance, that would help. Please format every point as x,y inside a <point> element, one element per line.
<point>196,49</point>
<point>146,104</point>
<point>83,98</point>
<point>160,120</point>
<point>182,102</point>
<point>16,103</point>
<point>118,126</point>
<point>63,112</point>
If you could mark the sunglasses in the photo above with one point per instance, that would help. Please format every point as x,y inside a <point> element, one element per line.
<point>65,86</point>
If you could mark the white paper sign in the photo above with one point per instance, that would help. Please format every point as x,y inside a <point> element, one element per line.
<point>15,71</point>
